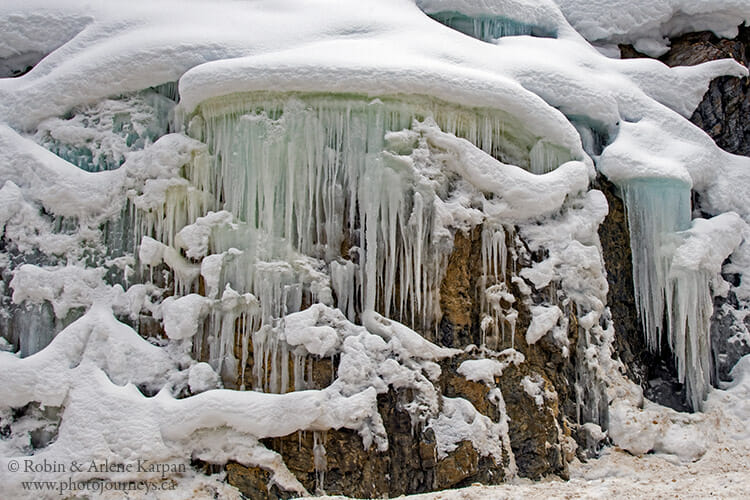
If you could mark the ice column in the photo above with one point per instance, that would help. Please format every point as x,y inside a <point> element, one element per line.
<point>657,209</point>
<point>674,301</point>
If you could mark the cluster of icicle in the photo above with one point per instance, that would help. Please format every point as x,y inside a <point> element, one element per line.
<point>675,304</point>
<point>296,201</point>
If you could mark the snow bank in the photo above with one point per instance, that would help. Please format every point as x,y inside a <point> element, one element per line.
<point>52,181</point>
<point>647,25</point>
<point>93,365</point>
<point>183,316</point>
<point>709,242</point>
<point>96,338</point>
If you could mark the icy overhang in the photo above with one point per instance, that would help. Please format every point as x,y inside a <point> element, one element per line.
<point>501,17</point>
<point>354,68</point>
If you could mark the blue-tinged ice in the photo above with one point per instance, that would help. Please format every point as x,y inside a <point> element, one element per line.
<point>488,28</point>
<point>675,303</point>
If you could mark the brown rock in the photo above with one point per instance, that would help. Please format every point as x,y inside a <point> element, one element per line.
<point>461,464</point>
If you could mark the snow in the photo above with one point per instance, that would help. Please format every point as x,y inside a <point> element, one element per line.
<point>460,421</point>
<point>194,237</point>
<point>52,181</point>
<point>38,33</point>
<point>410,340</point>
<point>487,370</point>
<point>202,377</point>
<point>65,288</point>
<point>319,340</point>
<point>647,24</point>
<point>543,319</point>
<point>524,195</point>
<point>183,316</point>
<point>614,93</point>
<point>353,67</point>
<point>709,242</point>
<point>98,356</point>
<point>534,387</point>
<point>373,121</point>
<point>96,337</point>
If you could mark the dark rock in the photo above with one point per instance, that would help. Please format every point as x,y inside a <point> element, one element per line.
<point>728,338</point>
<point>629,343</point>
<point>724,112</point>
<point>408,466</point>
<point>458,292</point>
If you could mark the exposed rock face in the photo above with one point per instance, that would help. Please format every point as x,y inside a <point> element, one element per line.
<point>538,424</point>
<point>615,239</point>
<point>729,332</point>
<point>724,112</point>
<point>410,465</point>
<point>458,292</point>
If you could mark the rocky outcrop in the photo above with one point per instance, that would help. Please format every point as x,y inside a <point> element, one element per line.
<point>724,112</point>
<point>539,420</point>
<point>614,236</point>
<point>459,326</point>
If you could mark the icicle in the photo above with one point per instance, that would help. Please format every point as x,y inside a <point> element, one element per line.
<point>494,255</point>
<point>692,307</point>
<point>333,182</point>
<point>245,333</point>
<point>343,279</point>
<point>494,252</point>
<point>39,325</point>
<point>320,461</point>
<point>298,363</point>
<point>677,302</point>
<point>301,176</point>
<point>656,210</point>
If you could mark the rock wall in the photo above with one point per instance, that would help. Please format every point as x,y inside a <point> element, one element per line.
<point>541,428</point>
<point>724,112</point>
